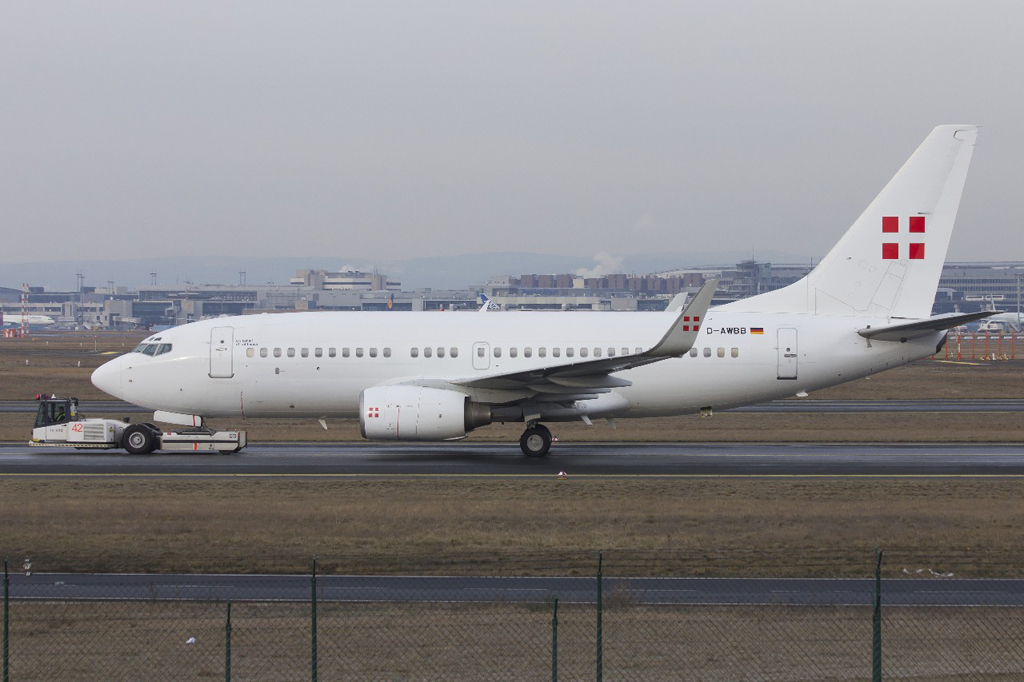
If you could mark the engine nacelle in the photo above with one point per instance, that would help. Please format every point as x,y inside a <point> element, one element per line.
<point>418,413</point>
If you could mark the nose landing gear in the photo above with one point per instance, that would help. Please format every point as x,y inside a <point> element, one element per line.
<point>536,440</point>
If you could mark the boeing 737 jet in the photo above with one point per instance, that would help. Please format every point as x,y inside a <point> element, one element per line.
<point>413,376</point>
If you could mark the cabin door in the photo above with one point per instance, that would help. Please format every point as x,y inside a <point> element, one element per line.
<point>222,341</point>
<point>787,353</point>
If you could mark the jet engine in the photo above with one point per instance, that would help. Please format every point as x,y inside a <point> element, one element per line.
<point>418,413</point>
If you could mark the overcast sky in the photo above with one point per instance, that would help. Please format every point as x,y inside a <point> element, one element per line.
<point>388,130</point>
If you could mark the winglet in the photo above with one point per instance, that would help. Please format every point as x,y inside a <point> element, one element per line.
<point>677,302</point>
<point>680,337</point>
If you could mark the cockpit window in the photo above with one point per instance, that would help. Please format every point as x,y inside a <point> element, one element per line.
<point>153,348</point>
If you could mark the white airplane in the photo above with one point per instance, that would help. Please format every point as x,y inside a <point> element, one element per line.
<point>426,377</point>
<point>999,321</point>
<point>14,320</point>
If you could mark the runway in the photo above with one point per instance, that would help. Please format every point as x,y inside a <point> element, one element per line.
<point>943,591</point>
<point>97,407</point>
<point>505,459</point>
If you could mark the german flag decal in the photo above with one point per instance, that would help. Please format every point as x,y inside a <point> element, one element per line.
<point>757,330</point>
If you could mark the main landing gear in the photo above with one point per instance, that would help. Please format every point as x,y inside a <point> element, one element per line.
<point>536,440</point>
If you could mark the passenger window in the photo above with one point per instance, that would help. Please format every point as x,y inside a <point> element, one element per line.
<point>693,352</point>
<point>542,352</point>
<point>250,352</point>
<point>414,352</point>
<point>480,352</point>
<point>569,352</point>
<point>597,352</point>
<point>556,352</point>
<point>527,352</point>
<point>625,351</point>
<point>611,352</point>
<point>427,352</point>
<point>305,352</point>
<point>584,352</point>
<point>359,352</point>
<point>440,351</point>
<point>373,352</point>
<point>454,352</point>
<point>735,352</point>
<point>344,352</point>
<point>387,352</point>
<point>291,352</point>
<point>497,351</point>
<point>639,351</point>
<point>721,352</point>
<point>513,352</point>
<point>332,352</point>
<point>707,352</point>
<point>277,352</point>
<point>318,352</point>
<point>263,352</point>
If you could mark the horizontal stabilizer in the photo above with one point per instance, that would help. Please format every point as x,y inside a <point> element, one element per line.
<point>912,330</point>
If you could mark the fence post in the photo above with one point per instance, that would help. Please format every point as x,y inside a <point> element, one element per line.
<point>313,581</point>
<point>600,606</point>
<point>554,642</point>
<point>227,645</point>
<point>876,622</point>
<point>7,660</point>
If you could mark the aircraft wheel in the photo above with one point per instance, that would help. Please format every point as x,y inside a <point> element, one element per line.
<point>536,441</point>
<point>138,440</point>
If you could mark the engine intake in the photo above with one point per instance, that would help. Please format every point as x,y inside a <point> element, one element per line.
<point>418,413</point>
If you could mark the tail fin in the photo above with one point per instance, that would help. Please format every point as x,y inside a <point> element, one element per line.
<point>889,262</point>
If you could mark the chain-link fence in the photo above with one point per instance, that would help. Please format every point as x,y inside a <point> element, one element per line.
<point>618,622</point>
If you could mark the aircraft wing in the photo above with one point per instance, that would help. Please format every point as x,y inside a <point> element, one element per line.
<point>586,378</point>
<point>912,330</point>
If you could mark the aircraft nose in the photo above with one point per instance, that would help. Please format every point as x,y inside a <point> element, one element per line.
<point>107,377</point>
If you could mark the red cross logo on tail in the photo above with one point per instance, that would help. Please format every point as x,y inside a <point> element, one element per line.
<point>891,250</point>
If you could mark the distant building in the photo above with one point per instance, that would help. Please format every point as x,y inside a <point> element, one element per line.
<point>352,280</point>
<point>981,286</point>
<point>963,287</point>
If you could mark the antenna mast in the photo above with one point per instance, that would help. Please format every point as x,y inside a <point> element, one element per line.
<point>24,309</point>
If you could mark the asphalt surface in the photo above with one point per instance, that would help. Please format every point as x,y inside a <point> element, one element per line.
<point>808,405</point>
<point>939,591</point>
<point>505,459</point>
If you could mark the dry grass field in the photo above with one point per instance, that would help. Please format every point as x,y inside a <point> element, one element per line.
<point>104,641</point>
<point>687,526</point>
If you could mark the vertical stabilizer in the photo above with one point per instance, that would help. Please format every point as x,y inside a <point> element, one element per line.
<point>889,262</point>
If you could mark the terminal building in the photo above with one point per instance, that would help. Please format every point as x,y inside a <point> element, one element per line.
<point>963,287</point>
